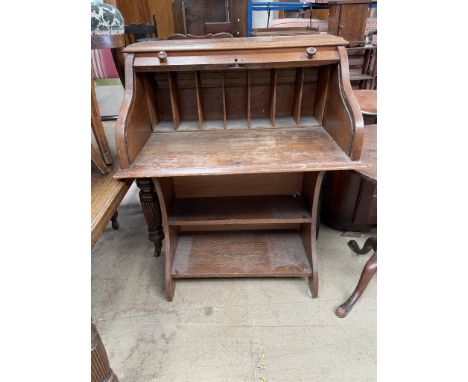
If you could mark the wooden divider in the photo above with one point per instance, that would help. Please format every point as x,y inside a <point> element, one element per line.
<point>298,95</point>
<point>199,99</point>
<point>276,97</point>
<point>249,116</point>
<point>274,76</point>
<point>322,92</point>
<point>224,101</point>
<point>172,77</point>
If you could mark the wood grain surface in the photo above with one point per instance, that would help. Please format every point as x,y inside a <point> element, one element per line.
<point>241,43</point>
<point>240,254</point>
<point>106,195</point>
<point>238,152</point>
<point>238,210</point>
<point>369,153</point>
<point>367,100</point>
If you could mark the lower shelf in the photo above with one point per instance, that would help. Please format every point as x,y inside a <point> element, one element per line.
<point>240,254</point>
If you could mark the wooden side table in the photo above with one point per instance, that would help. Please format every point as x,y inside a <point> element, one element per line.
<point>350,197</point>
<point>369,156</point>
<point>367,100</point>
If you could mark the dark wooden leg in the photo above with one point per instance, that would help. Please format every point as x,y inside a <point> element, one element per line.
<point>119,62</point>
<point>100,368</point>
<point>115,222</point>
<point>368,272</point>
<point>151,211</point>
<point>371,243</point>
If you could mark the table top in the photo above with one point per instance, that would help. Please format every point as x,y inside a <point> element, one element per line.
<point>369,153</point>
<point>367,100</point>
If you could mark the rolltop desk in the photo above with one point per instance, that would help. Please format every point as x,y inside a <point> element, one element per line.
<point>229,140</point>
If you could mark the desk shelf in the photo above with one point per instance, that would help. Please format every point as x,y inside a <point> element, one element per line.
<point>240,254</point>
<point>239,210</point>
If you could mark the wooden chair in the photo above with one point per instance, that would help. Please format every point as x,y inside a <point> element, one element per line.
<point>106,32</point>
<point>179,36</point>
<point>103,158</point>
<point>106,192</point>
<point>141,32</point>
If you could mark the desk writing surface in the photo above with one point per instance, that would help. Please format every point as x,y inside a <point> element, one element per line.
<point>238,152</point>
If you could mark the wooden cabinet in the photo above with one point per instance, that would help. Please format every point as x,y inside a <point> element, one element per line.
<point>350,197</point>
<point>347,18</point>
<point>200,17</point>
<point>236,135</point>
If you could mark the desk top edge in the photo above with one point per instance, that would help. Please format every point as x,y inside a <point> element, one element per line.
<point>263,42</point>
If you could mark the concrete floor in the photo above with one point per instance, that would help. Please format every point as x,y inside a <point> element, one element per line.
<point>228,329</point>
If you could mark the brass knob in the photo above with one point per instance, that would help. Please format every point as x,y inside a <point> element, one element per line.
<point>311,52</point>
<point>162,55</point>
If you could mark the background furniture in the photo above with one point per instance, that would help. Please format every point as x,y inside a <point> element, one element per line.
<point>347,18</point>
<point>199,17</point>
<point>350,197</point>
<point>179,36</point>
<point>367,100</point>
<point>196,17</point>
<point>233,137</point>
<point>107,28</point>
<point>141,32</point>
<point>106,195</point>
<point>368,178</point>
<point>146,11</point>
<point>368,272</point>
<point>259,6</point>
<point>100,368</point>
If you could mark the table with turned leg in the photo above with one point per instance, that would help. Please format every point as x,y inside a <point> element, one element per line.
<point>369,173</point>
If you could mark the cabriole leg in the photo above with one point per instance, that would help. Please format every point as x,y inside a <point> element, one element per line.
<point>366,276</point>
<point>151,211</point>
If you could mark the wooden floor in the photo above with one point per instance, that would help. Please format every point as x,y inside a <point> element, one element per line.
<point>238,152</point>
<point>240,254</point>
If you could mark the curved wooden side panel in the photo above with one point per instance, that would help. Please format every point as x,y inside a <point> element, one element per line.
<point>353,105</point>
<point>165,190</point>
<point>343,118</point>
<point>312,183</point>
<point>133,127</point>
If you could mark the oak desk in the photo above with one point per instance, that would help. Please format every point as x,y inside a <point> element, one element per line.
<point>229,140</point>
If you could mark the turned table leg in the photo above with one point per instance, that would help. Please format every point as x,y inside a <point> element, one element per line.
<point>100,368</point>
<point>151,211</point>
<point>366,276</point>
